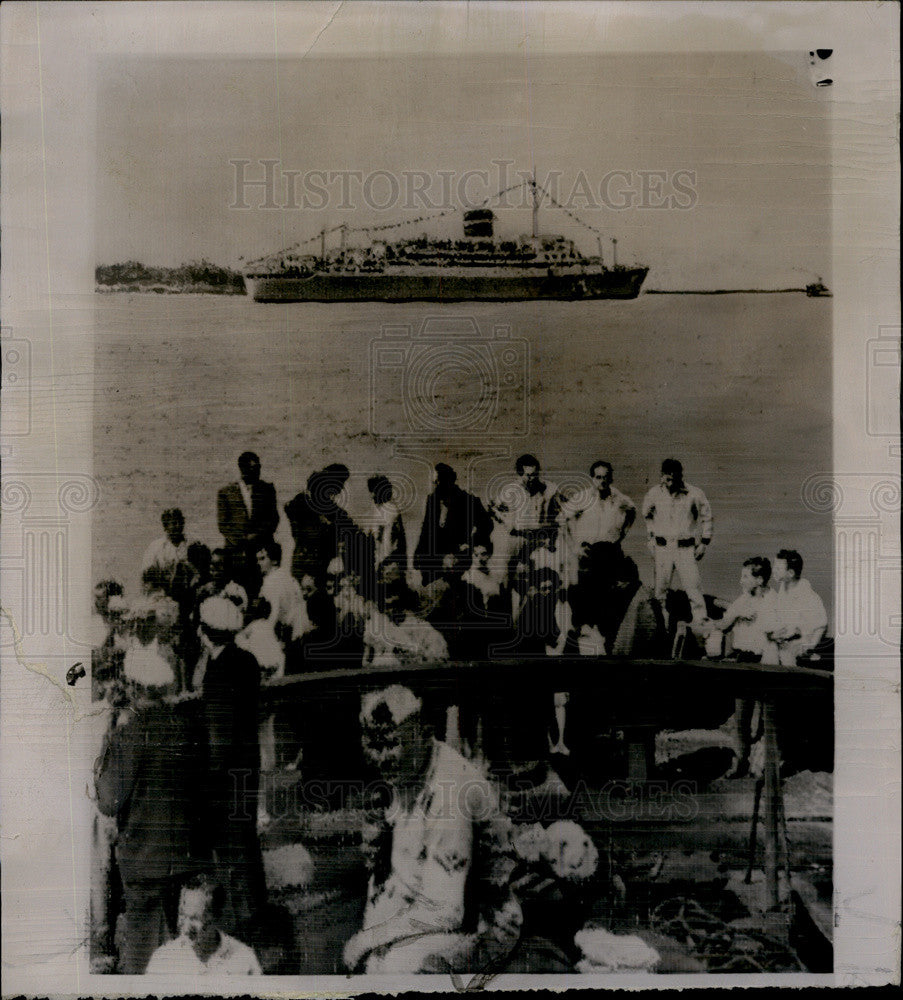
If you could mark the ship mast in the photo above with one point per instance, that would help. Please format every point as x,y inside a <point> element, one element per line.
<point>535,207</point>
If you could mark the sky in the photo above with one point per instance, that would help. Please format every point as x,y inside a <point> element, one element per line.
<point>736,150</point>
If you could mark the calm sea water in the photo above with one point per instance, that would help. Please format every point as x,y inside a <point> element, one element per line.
<point>736,386</point>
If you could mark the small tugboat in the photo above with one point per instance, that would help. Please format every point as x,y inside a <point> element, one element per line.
<point>818,291</point>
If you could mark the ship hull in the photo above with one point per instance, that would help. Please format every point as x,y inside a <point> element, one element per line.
<point>623,283</point>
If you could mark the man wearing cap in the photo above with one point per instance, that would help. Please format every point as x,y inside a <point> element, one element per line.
<point>147,777</point>
<point>437,849</point>
<point>679,523</point>
<point>231,687</point>
<point>247,516</point>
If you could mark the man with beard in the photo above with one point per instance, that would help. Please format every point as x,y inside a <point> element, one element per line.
<point>438,852</point>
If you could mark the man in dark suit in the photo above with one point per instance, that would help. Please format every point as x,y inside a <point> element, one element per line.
<point>323,530</point>
<point>231,689</point>
<point>247,517</point>
<point>453,519</point>
<point>148,777</point>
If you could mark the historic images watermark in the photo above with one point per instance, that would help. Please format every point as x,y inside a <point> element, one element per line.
<point>615,801</point>
<point>270,184</point>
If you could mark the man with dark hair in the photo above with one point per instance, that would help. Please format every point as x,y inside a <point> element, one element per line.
<point>679,522</point>
<point>604,516</point>
<point>288,614</point>
<point>453,518</point>
<point>797,619</point>
<point>744,618</point>
<point>164,555</point>
<point>455,608</point>
<point>528,512</point>
<point>322,529</point>
<point>247,515</point>
<point>222,581</point>
<point>384,525</point>
<point>201,947</point>
<point>637,625</point>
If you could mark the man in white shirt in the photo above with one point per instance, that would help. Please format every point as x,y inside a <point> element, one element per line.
<point>745,618</point>
<point>797,620</point>
<point>201,947</point>
<point>167,552</point>
<point>288,612</point>
<point>605,514</point>
<point>679,523</point>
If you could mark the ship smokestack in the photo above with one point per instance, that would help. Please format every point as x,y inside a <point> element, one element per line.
<point>478,223</point>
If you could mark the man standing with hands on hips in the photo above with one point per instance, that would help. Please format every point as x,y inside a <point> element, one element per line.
<point>679,523</point>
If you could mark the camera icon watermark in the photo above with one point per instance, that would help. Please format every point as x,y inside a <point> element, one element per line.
<point>449,379</point>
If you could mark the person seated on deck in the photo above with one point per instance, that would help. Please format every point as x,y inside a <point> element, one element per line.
<point>633,620</point>
<point>542,623</point>
<point>201,947</point>
<point>395,635</point>
<point>455,608</point>
<point>743,619</point>
<point>288,613</point>
<point>438,852</point>
<point>222,582</point>
<point>796,622</point>
<point>486,579</point>
<point>743,623</point>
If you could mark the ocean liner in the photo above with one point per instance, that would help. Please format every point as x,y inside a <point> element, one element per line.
<point>480,266</point>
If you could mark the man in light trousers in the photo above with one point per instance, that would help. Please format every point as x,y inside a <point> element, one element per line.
<point>679,524</point>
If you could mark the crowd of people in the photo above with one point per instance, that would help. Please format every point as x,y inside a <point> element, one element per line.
<point>538,573</point>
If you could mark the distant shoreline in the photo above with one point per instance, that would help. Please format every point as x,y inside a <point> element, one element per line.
<point>722,291</point>
<point>202,288</point>
<point>163,289</point>
<point>193,277</point>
